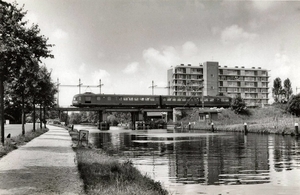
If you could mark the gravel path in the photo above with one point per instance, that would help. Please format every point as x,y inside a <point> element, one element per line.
<point>45,165</point>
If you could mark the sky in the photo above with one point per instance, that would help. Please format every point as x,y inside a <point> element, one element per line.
<point>130,43</point>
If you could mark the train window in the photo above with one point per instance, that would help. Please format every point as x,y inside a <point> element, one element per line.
<point>98,98</point>
<point>206,99</point>
<point>136,99</point>
<point>125,98</point>
<point>142,99</point>
<point>225,100</point>
<point>147,99</point>
<point>130,98</point>
<point>164,99</point>
<point>211,99</point>
<point>169,99</point>
<point>183,99</point>
<point>108,98</point>
<point>179,99</point>
<point>152,99</point>
<point>79,98</point>
<point>120,98</point>
<point>174,99</point>
<point>88,98</point>
<point>156,99</point>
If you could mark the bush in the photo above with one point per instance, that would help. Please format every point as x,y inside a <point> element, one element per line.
<point>239,106</point>
<point>293,105</point>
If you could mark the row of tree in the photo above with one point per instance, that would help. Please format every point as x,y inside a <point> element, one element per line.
<point>282,93</point>
<point>24,83</point>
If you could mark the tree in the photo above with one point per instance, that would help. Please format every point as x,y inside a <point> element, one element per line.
<point>19,46</point>
<point>287,88</point>
<point>277,89</point>
<point>239,105</point>
<point>293,105</point>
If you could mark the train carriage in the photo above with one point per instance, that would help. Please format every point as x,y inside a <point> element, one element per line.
<point>148,101</point>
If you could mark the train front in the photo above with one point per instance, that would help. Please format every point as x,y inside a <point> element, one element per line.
<point>77,100</point>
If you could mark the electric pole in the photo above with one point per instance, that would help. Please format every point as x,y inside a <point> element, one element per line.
<point>153,86</point>
<point>100,85</point>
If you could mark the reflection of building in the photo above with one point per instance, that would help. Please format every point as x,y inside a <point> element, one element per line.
<point>211,79</point>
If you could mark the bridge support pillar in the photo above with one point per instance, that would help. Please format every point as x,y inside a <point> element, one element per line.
<point>102,116</point>
<point>174,115</point>
<point>133,119</point>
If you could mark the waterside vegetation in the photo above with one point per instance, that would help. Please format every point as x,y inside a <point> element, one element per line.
<point>105,174</point>
<point>269,119</point>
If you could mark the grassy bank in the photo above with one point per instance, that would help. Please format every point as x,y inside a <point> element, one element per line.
<point>17,141</point>
<point>271,119</point>
<point>104,174</point>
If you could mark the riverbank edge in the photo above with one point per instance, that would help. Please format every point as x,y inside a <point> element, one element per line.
<point>15,142</point>
<point>106,174</point>
<point>249,128</point>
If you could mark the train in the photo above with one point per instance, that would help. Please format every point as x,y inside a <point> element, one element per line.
<point>89,99</point>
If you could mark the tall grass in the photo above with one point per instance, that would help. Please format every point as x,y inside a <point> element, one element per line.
<point>103,174</point>
<point>272,119</point>
<point>16,141</point>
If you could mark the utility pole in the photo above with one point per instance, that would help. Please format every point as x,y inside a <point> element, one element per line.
<point>79,85</point>
<point>57,85</point>
<point>100,85</point>
<point>152,86</point>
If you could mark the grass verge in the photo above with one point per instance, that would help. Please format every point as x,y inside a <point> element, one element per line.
<point>17,141</point>
<point>104,174</point>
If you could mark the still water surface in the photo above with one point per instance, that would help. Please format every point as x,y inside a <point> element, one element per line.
<point>197,162</point>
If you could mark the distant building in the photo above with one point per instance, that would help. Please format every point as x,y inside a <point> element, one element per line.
<point>211,79</point>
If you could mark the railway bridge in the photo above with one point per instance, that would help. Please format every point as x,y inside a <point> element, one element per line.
<point>137,114</point>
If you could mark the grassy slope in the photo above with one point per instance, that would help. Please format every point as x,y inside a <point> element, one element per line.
<point>271,119</point>
<point>104,174</point>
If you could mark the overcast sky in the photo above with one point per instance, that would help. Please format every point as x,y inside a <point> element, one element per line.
<point>127,44</point>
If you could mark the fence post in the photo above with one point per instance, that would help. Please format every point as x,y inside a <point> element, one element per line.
<point>296,129</point>
<point>212,127</point>
<point>245,129</point>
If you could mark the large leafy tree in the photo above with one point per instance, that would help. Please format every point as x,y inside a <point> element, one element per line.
<point>277,89</point>
<point>293,105</point>
<point>287,88</point>
<point>19,47</point>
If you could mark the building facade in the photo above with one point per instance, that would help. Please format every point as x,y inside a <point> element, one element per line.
<point>211,79</point>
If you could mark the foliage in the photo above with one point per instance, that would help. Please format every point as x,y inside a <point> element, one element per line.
<point>277,89</point>
<point>21,50</point>
<point>112,120</point>
<point>293,105</point>
<point>238,105</point>
<point>287,88</point>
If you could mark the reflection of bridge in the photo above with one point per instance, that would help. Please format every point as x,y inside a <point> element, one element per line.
<point>137,114</point>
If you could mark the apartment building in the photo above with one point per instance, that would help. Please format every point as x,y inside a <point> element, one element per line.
<point>210,78</point>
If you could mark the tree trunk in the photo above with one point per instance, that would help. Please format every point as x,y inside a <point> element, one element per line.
<point>2,107</point>
<point>44,119</point>
<point>33,117</point>
<point>23,114</point>
<point>41,119</point>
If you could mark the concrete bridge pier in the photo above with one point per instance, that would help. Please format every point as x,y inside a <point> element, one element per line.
<point>102,116</point>
<point>136,116</point>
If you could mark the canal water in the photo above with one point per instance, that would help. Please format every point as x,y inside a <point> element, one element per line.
<point>198,162</point>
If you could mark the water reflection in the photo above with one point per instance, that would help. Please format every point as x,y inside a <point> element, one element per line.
<point>206,158</point>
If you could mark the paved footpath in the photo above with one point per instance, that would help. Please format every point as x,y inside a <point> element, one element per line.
<point>45,165</point>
